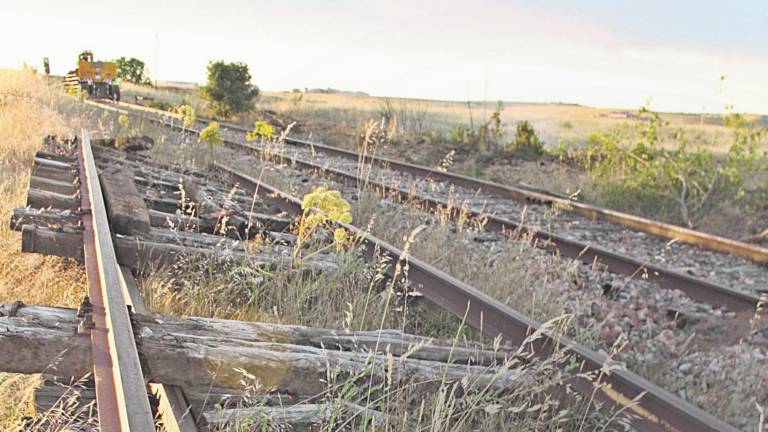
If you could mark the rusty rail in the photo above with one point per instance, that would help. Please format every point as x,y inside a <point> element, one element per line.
<point>695,288</point>
<point>661,229</point>
<point>654,408</point>
<point>121,393</point>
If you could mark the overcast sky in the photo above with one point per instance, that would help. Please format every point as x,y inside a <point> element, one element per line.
<point>600,53</point>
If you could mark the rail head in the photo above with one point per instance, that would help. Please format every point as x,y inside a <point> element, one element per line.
<point>121,392</point>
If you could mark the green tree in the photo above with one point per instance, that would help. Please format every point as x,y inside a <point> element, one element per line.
<point>229,90</point>
<point>132,70</point>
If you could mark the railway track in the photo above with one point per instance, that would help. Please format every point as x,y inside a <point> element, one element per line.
<point>80,205</point>
<point>654,408</point>
<point>109,258</point>
<point>658,409</point>
<point>695,263</point>
<point>712,277</point>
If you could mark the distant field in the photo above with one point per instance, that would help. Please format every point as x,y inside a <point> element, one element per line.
<point>554,122</point>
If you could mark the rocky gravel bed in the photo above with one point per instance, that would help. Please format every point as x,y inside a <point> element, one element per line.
<point>724,269</point>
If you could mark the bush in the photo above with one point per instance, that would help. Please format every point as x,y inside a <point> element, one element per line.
<point>682,184</point>
<point>527,143</point>
<point>211,135</point>
<point>261,130</point>
<point>487,137</point>
<point>492,132</point>
<point>229,90</point>
<point>461,134</point>
<point>160,105</point>
<point>488,140</point>
<point>188,115</point>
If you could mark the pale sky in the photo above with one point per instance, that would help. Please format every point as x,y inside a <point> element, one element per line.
<point>599,53</point>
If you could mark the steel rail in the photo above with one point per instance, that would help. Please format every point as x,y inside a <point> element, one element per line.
<point>695,288</point>
<point>661,229</point>
<point>654,408</point>
<point>121,393</point>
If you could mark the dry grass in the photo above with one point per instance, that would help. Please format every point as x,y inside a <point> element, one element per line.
<point>28,112</point>
<point>443,405</point>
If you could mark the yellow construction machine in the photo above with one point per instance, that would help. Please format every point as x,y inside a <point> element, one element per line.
<point>93,79</point>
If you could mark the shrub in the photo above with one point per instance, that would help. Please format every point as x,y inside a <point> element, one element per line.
<point>261,130</point>
<point>229,90</point>
<point>160,105</point>
<point>323,208</point>
<point>188,115</point>
<point>487,137</point>
<point>211,135</point>
<point>462,134</point>
<point>492,132</point>
<point>688,181</point>
<point>527,143</point>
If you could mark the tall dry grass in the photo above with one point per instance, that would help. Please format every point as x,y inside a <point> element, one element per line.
<point>29,110</point>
